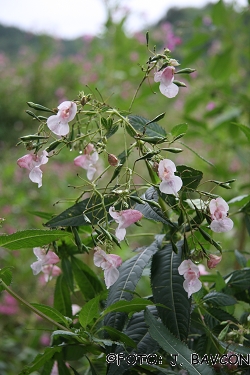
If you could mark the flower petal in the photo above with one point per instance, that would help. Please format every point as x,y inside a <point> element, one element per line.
<point>169,91</point>
<point>57,126</point>
<point>110,276</point>
<point>192,286</point>
<point>223,225</point>
<point>120,233</point>
<point>171,186</point>
<point>35,175</point>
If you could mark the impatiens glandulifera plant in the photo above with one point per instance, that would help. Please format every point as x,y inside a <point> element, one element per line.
<point>186,320</point>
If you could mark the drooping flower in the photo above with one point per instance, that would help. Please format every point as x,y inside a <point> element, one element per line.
<point>109,263</point>
<point>88,161</point>
<point>213,260</point>
<point>50,270</point>
<point>218,211</point>
<point>170,184</point>
<point>166,77</point>
<point>59,123</point>
<point>32,162</point>
<point>124,219</point>
<point>43,258</point>
<point>191,275</point>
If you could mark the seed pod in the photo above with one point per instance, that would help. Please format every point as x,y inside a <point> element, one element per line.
<point>113,160</point>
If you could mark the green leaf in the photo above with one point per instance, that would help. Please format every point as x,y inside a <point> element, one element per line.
<point>62,300</point>
<point>119,336</point>
<point>239,279</point>
<point>142,125</point>
<point>153,213</point>
<point>130,273</point>
<point>190,177</point>
<point>92,207</point>
<point>245,129</point>
<point>208,238</point>
<point>174,346</point>
<point>67,273</point>
<point>219,299</point>
<point>236,348</point>
<point>137,304</point>
<point>40,360</point>
<point>167,288</point>
<point>89,312</point>
<point>88,282</point>
<point>30,238</point>
<point>179,129</point>
<point>51,312</point>
<point>240,258</point>
<point>6,276</point>
<point>42,215</point>
<point>65,334</point>
<point>214,316</point>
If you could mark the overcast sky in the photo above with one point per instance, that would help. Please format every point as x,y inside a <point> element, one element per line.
<point>71,19</point>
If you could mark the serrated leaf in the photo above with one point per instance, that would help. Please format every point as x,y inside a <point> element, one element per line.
<point>214,316</point>
<point>129,274</point>
<point>89,312</point>
<point>74,216</point>
<point>142,125</point>
<point>239,279</point>
<point>179,129</point>
<point>174,346</point>
<point>51,312</point>
<point>119,336</point>
<point>167,288</point>
<point>88,282</point>
<point>153,213</point>
<point>190,177</point>
<point>219,299</point>
<point>30,238</point>
<point>40,360</point>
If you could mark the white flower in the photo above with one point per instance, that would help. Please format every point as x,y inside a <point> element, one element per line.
<point>166,77</point>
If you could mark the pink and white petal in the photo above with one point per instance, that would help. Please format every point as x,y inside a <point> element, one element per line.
<point>167,76</point>
<point>43,158</point>
<point>35,175</point>
<point>223,225</point>
<point>57,126</point>
<point>166,168</point>
<point>115,260</point>
<point>26,161</point>
<point>99,257</point>
<point>67,110</point>
<point>187,265</point>
<point>110,276</point>
<point>91,172</point>
<point>192,286</point>
<point>51,258</point>
<point>171,186</point>
<point>37,267</point>
<point>169,91</point>
<point>39,252</point>
<point>115,214</point>
<point>157,76</point>
<point>120,233</point>
<point>82,161</point>
<point>94,157</point>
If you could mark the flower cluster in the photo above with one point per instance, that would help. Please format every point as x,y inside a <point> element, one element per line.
<point>191,275</point>
<point>46,263</point>
<point>109,263</point>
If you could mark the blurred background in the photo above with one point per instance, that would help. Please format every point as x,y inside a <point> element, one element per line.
<point>51,51</point>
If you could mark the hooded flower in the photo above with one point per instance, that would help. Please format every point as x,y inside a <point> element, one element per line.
<point>218,211</point>
<point>32,162</point>
<point>191,275</point>
<point>170,184</point>
<point>109,263</point>
<point>166,77</point>
<point>124,219</point>
<point>43,258</point>
<point>58,123</point>
<point>88,161</point>
<point>213,260</point>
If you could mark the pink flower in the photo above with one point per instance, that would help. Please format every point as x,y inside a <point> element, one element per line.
<point>191,275</point>
<point>50,270</point>
<point>124,219</point>
<point>218,211</point>
<point>170,184</point>
<point>109,263</point>
<point>88,161</point>
<point>32,162</point>
<point>166,77</point>
<point>8,305</point>
<point>213,260</point>
<point>58,123</point>
<point>43,258</point>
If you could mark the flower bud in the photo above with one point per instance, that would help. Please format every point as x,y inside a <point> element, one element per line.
<point>213,260</point>
<point>173,62</point>
<point>113,160</point>
<point>155,166</point>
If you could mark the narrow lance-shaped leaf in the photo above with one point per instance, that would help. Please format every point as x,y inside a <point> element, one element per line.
<point>167,287</point>
<point>40,360</point>
<point>172,345</point>
<point>30,238</point>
